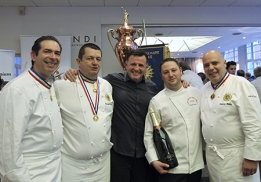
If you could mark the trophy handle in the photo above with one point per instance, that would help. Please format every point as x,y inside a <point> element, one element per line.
<point>111,32</point>
<point>140,34</point>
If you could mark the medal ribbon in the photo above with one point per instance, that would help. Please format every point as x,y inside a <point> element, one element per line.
<point>94,107</point>
<point>221,82</point>
<point>86,79</point>
<point>40,79</point>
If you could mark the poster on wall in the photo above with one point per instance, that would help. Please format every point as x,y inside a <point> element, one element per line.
<point>7,59</point>
<point>27,42</point>
<point>156,53</point>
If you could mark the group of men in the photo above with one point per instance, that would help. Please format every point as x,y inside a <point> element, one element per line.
<point>104,131</point>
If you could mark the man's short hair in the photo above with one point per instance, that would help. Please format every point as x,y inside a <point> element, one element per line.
<point>241,73</point>
<point>137,52</point>
<point>247,74</point>
<point>167,60</point>
<point>90,45</point>
<point>184,66</point>
<point>229,63</point>
<point>257,71</point>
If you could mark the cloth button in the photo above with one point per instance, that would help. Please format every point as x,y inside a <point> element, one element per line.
<point>54,146</point>
<point>211,125</point>
<point>211,140</point>
<point>101,155</point>
<point>62,142</point>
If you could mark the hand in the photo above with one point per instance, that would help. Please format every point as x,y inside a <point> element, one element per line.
<point>249,167</point>
<point>70,75</point>
<point>184,83</point>
<point>160,167</point>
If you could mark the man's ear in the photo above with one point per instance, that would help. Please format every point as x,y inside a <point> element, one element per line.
<point>78,60</point>
<point>33,55</point>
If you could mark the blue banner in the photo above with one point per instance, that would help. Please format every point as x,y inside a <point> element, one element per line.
<point>156,54</point>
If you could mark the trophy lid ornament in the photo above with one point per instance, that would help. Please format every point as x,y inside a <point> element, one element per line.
<point>125,15</point>
<point>126,35</point>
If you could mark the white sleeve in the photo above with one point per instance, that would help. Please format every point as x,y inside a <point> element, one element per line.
<point>14,115</point>
<point>250,116</point>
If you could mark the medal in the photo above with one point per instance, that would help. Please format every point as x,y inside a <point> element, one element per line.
<point>216,86</point>
<point>94,88</point>
<point>95,118</point>
<point>107,97</point>
<point>212,96</point>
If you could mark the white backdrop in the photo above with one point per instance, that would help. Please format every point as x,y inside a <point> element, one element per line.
<point>27,42</point>
<point>7,58</point>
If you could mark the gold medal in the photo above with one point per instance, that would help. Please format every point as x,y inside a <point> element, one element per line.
<point>95,118</point>
<point>213,96</point>
<point>227,97</point>
<point>94,88</point>
<point>107,97</point>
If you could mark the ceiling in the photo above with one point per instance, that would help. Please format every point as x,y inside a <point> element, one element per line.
<point>110,3</point>
<point>188,41</point>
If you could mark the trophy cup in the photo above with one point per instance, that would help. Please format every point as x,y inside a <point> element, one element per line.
<point>126,36</point>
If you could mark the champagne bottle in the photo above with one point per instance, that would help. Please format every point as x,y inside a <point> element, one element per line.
<point>162,143</point>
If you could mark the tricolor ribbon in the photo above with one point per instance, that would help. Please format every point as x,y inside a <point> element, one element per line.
<point>94,106</point>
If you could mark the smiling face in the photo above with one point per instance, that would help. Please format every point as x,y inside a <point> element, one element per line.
<point>47,59</point>
<point>171,75</point>
<point>90,63</point>
<point>136,67</point>
<point>214,66</point>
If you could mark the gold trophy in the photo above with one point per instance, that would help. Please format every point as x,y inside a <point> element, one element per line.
<point>126,36</point>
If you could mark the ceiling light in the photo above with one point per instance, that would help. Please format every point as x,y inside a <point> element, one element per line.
<point>158,34</point>
<point>236,33</point>
<point>244,37</point>
<point>218,46</point>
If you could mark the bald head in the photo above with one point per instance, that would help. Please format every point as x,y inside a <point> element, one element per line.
<point>214,65</point>
<point>212,54</point>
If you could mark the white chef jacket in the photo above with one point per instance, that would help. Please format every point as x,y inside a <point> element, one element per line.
<point>84,138</point>
<point>192,79</point>
<point>31,132</point>
<point>257,85</point>
<point>179,113</point>
<point>231,126</point>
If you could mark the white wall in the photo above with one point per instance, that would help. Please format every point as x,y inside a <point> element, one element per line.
<point>94,21</point>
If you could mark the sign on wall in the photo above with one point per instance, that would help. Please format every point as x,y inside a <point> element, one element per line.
<point>7,58</point>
